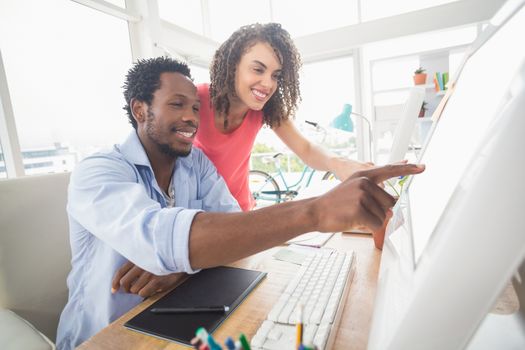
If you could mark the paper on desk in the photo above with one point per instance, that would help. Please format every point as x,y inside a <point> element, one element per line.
<point>311,239</point>
<point>364,231</point>
<point>288,255</point>
<point>296,254</point>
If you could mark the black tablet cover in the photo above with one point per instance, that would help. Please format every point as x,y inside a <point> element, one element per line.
<point>211,287</point>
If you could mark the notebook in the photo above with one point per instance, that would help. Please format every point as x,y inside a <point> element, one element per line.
<point>217,286</point>
<point>314,239</point>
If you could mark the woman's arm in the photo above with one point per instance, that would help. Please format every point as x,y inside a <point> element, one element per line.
<point>315,156</point>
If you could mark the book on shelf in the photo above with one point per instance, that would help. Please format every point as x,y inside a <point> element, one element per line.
<point>440,81</point>
<point>445,80</point>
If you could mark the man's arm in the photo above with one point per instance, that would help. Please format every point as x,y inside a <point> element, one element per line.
<point>217,239</point>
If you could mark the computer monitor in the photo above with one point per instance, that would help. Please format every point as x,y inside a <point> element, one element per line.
<point>458,231</point>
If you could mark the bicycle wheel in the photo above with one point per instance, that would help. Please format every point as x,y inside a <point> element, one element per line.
<point>329,176</point>
<point>264,189</point>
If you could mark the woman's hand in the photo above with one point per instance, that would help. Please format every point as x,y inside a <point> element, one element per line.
<point>344,168</point>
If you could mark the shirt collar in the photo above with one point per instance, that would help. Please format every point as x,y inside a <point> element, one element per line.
<point>134,152</point>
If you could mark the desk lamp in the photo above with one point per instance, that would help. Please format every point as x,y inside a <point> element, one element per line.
<point>344,122</point>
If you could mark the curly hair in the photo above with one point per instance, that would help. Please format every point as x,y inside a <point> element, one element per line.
<point>143,79</point>
<point>283,102</point>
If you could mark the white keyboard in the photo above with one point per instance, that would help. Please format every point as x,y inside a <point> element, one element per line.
<point>319,286</point>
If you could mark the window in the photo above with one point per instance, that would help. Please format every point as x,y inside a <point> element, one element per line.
<point>65,77</point>
<point>306,17</point>
<point>325,87</point>
<point>374,9</point>
<point>226,16</point>
<point>421,42</point>
<point>184,13</point>
<point>119,3</point>
<point>394,73</point>
<point>199,74</point>
<point>291,14</point>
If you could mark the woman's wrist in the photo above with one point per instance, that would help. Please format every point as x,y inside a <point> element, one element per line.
<point>338,165</point>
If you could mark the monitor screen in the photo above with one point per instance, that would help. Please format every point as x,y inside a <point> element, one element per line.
<point>479,93</point>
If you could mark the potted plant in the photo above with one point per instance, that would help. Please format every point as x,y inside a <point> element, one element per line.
<point>379,235</point>
<point>420,77</point>
<point>423,109</point>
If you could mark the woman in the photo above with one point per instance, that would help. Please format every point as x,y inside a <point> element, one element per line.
<point>255,82</point>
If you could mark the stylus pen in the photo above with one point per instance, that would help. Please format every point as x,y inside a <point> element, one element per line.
<point>191,310</point>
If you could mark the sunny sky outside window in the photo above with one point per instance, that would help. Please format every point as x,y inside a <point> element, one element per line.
<point>119,3</point>
<point>65,74</point>
<point>223,23</point>
<point>374,9</point>
<point>65,77</point>
<point>421,42</point>
<point>325,87</point>
<point>306,17</point>
<point>200,75</point>
<point>184,13</point>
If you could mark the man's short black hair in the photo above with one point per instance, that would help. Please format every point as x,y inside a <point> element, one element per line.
<point>143,79</point>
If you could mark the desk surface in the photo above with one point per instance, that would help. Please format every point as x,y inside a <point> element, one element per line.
<point>355,321</point>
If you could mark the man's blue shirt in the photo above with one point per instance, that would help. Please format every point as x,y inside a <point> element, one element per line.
<point>117,212</point>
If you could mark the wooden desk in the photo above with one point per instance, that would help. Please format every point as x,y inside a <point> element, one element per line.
<point>355,321</point>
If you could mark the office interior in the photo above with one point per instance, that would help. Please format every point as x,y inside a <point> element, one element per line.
<point>62,65</point>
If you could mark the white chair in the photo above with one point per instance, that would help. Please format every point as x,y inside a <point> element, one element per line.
<point>34,254</point>
<point>16,333</point>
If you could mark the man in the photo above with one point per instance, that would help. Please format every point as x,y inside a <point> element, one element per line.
<point>160,204</point>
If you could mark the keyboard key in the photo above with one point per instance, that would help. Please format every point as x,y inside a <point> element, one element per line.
<point>259,338</point>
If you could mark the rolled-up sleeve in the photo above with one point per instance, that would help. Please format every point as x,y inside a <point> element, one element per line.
<point>181,241</point>
<point>107,199</point>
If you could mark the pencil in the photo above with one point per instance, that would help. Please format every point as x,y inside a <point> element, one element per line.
<point>299,328</point>
<point>244,342</point>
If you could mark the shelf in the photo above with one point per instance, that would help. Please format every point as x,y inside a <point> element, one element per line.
<point>426,86</point>
<point>392,90</point>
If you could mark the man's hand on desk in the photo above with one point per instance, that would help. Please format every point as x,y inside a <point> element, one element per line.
<point>133,279</point>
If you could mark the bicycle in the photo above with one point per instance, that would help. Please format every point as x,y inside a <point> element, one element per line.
<point>265,189</point>
<point>264,186</point>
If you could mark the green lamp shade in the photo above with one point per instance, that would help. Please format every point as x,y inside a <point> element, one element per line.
<point>343,120</point>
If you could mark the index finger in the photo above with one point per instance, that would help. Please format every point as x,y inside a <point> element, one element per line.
<point>386,172</point>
